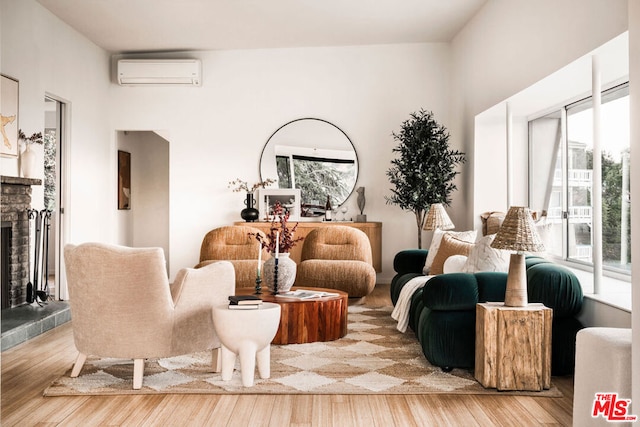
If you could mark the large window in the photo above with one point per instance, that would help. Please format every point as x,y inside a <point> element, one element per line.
<point>561,179</point>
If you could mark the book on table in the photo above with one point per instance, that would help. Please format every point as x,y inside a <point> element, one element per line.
<point>244,300</point>
<point>245,306</point>
<point>306,294</point>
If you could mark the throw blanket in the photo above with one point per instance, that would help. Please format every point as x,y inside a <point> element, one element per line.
<point>401,310</point>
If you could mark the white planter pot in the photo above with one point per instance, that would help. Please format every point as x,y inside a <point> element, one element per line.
<point>28,162</point>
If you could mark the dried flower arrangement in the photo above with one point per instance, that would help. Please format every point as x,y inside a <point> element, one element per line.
<point>36,138</point>
<point>279,225</point>
<point>241,185</point>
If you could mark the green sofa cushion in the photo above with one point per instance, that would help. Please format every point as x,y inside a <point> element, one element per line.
<point>410,261</point>
<point>556,287</point>
<point>449,292</point>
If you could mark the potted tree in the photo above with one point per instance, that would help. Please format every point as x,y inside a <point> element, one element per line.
<point>423,171</point>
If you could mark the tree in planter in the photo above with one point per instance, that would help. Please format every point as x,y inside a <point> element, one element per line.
<point>424,170</point>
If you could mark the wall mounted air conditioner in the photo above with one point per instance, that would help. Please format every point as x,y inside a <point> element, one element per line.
<point>142,72</point>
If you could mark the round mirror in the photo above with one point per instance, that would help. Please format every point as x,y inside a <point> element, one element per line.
<point>315,156</point>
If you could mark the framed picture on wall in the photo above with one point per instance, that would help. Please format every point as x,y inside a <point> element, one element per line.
<point>289,198</point>
<point>124,180</point>
<point>9,113</point>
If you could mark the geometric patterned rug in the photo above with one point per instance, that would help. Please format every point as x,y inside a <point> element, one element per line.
<point>373,358</point>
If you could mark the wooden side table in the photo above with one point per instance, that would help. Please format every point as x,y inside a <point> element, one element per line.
<point>513,346</point>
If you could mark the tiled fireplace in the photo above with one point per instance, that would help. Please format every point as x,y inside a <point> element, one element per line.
<point>15,201</point>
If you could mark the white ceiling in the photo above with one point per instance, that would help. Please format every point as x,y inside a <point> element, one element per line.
<point>122,26</point>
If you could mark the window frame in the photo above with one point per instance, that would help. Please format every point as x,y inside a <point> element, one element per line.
<point>613,91</point>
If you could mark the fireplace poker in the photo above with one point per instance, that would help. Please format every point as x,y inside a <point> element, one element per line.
<point>43,294</point>
<point>30,291</point>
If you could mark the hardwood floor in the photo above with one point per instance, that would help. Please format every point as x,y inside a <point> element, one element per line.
<point>28,368</point>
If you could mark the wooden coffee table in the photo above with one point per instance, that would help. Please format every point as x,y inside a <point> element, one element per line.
<point>311,320</point>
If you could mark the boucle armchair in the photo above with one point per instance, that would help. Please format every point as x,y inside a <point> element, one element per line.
<point>122,305</point>
<point>337,257</point>
<point>233,244</point>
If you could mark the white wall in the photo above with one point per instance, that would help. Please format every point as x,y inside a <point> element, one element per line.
<point>146,223</point>
<point>508,46</point>
<point>218,130</point>
<point>47,56</point>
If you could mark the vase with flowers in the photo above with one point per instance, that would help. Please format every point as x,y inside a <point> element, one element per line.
<point>250,213</point>
<point>279,271</point>
<point>28,158</point>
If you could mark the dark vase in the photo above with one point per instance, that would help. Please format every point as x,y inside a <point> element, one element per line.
<point>249,214</point>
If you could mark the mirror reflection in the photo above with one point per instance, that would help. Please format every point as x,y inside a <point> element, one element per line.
<point>315,156</point>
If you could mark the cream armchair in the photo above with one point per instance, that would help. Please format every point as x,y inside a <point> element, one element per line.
<point>232,243</point>
<point>122,305</point>
<point>337,257</point>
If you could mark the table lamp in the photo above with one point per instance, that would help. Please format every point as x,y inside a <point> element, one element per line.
<point>437,218</point>
<point>517,233</point>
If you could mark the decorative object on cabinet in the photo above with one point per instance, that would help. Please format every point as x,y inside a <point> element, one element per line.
<point>361,202</point>
<point>299,149</point>
<point>9,113</point>
<point>517,233</point>
<point>425,167</point>
<point>249,213</point>
<point>288,198</point>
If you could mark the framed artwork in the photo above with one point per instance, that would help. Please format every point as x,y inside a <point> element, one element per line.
<point>9,113</point>
<point>289,198</point>
<point>124,180</point>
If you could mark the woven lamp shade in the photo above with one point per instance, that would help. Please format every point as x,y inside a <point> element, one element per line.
<point>518,232</point>
<point>437,218</point>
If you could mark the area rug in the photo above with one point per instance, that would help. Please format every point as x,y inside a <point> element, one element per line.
<point>373,358</point>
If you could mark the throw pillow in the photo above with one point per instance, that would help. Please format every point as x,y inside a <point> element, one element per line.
<point>454,264</point>
<point>467,236</point>
<point>485,258</point>
<point>449,246</point>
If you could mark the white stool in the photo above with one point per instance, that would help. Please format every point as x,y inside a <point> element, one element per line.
<point>603,365</point>
<point>247,333</point>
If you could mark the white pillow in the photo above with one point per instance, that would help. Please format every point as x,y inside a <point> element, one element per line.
<point>467,236</point>
<point>483,257</point>
<point>454,264</point>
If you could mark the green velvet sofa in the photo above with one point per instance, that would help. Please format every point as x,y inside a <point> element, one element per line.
<point>443,313</point>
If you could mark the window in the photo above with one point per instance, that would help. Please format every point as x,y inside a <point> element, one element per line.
<point>561,179</point>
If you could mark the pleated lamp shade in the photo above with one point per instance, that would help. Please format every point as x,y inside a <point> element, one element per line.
<point>518,232</point>
<point>437,218</point>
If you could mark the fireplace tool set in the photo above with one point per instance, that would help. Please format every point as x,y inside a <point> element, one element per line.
<point>39,293</point>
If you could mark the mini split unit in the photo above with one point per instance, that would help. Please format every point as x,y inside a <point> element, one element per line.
<point>159,72</point>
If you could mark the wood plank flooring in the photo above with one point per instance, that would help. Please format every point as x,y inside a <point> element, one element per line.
<point>28,368</point>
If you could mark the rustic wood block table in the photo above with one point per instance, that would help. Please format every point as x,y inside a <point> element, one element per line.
<point>513,346</point>
<point>308,320</point>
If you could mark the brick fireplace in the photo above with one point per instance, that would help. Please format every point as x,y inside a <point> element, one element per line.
<point>15,201</point>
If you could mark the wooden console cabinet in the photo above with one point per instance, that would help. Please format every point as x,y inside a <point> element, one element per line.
<point>513,346</point>
<point>373,230</point>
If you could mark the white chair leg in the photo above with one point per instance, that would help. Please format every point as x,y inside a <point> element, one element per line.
<point>138,372</point>
<point>77,367</point>
<point>216,360</point>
